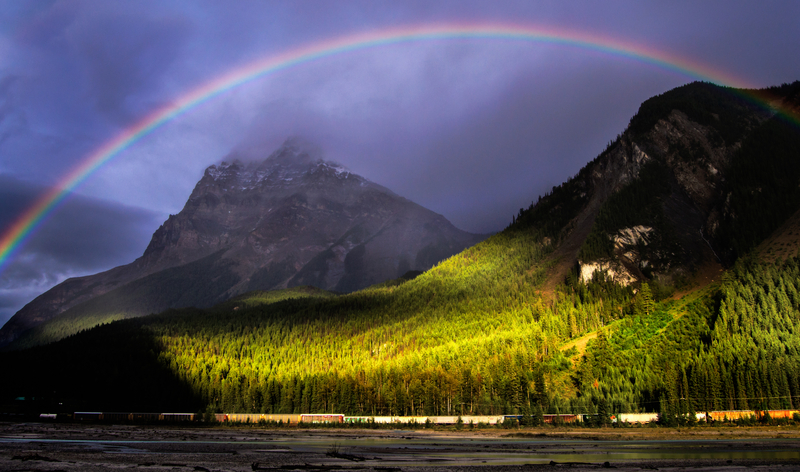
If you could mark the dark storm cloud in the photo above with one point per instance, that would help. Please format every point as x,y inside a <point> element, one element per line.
<point>84,235</point>
<point>12,119</point>
<point>479,161</point>
<point>125,58</point>
<point>81,72</point>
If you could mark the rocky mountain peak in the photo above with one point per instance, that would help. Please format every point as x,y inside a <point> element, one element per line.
<point>258,223</point>
<point>288,166</point>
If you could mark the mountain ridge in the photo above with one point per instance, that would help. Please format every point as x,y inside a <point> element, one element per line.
<point>288,220</point>
<point>682,141</point>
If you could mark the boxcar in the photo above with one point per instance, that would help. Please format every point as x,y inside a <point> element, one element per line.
<point>258,417</point>
<point>114,416</point>
<point>411,419</point>
<point>563,418</point>
<point>357,419</point>
<point>777,414</point>
<point>244,417</point>
<point>88,415</point>
<point>177,417</point>
<point>482,419</point>
<point>732,415</point>
<point>637,417</point>
<point>386,419</point>
<point>322,418</point>
<point>145,417</point>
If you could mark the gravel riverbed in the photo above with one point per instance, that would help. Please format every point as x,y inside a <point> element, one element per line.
<point>98,447</point>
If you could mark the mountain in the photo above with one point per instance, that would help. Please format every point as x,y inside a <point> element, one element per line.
<point>662,277</point>
<point>291,219</point>
<point>702,175</point>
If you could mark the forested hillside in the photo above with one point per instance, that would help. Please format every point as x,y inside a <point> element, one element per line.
<point>488,330</point>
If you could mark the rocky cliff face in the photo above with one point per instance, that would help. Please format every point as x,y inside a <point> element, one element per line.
<point>295,219</point>
<point>670,195</point>
<point>291,219</point>
<point>666,242</point>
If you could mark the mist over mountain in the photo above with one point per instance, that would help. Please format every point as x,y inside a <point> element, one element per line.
<point>287,220</point>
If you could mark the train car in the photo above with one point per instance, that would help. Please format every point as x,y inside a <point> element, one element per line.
<point>637,418</point>
<point>48,416</point>
<point>548,418</point>
<point>423,419</point>
<point>281,418</point>
<point>177,417</point>
<point>322,418</point>
<point>145,417</point>
<point>258,418</point>
<point>562,418</point>
<point>482,419</point>
<point>443,419</point>
<point>88,415</point>
<point>116,417</point>
<point>411,419</point>
<point>357,419</point>
<point>732,415</point>
<point>385,419</point>
<point>244,417</point>
<point>391,419</point>
<point>777,414</point>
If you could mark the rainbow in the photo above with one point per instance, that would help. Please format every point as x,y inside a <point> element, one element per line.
<point>15,236</point>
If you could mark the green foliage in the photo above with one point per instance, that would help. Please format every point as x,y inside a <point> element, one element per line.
<point>753,351</point>
<point>736,346</point>
<point>460,338</point>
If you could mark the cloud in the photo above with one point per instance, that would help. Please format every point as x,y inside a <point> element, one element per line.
<point>125,57</point>
<point>471,130</point>
<point>84,236</point>
<point>12,118</point>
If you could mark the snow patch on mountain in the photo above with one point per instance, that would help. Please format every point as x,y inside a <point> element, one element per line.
<point>286,167</point>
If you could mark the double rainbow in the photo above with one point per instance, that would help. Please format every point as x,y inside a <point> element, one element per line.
<point>15,236</point>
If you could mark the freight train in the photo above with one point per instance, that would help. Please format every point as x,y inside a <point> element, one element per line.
<point>332,418</point>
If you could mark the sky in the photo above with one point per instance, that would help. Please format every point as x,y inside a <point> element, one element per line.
<point>472,128</point>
